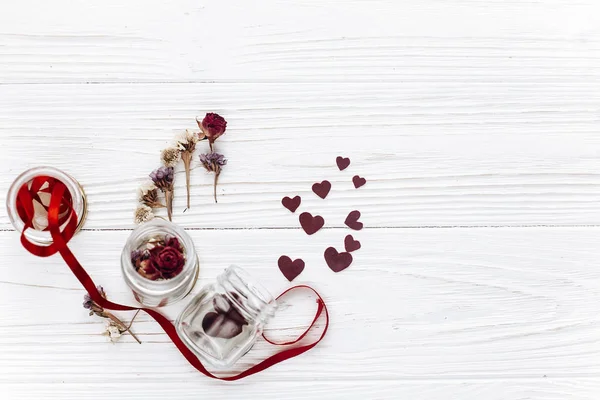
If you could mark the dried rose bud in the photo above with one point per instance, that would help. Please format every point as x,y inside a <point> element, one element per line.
<point>170,156</point>
<point>212,126</point>
<point>163,178</point>
<point>168,260</point>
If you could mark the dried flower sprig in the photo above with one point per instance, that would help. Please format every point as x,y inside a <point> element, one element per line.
<point>212,127</point>
<point>160,258</point>
<point>213,162</point>
<point>170,156</point>
<point>115,327</point>
<point>148,195</point>
<point>186,142</point>
<point>163,179</point>
<point>143,213</point>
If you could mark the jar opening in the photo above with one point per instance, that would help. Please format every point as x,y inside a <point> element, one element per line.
<point>247,294</point>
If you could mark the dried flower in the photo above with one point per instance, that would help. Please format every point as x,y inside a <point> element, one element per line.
<point>115,327</point>
<point>168,260</point>
<point>170,156</point>
<point>162,260</point>
<point>213,162</point>
<point>142,214</point>
<point>163,179</point>
<point>148,195</point>
<point>212,126</point>
<point>186,143</point>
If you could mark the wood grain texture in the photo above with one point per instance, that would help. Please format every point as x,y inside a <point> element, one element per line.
<point>490,308</point>
<point>474,122</point>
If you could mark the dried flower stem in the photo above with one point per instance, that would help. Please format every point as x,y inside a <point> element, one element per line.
<point>217,173</point>
<point>169,203</point>
<point>122,326</point>
<point>186,157</point>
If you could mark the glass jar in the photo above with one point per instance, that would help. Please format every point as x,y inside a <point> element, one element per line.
<point>223,321</point>
<point>148,243</point>
<point>39,234</point>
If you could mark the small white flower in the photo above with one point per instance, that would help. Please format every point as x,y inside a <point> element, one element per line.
<point>112,331</point>
<point>142,214</point>
<point>170,156</point>
<point>186,140</point>
<point>145,187</point>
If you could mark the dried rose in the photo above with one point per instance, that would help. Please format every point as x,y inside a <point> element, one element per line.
<point>168,260</point>
<point>212,126</point>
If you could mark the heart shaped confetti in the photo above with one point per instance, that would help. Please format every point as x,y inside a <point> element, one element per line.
<point>358,181</point>
<point>291,204</point>
<point>322,189</point>
<point>342,162</point>
<point>337,261</point>
<point>352,221</point>
<point>290,269</point>
<point>311,224</point>
<point>350,244</point>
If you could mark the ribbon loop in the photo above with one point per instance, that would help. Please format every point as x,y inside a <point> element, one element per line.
<point>61,215</point>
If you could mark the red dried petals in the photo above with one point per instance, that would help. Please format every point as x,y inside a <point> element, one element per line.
<point>213,126</point>
<point>165,260</point>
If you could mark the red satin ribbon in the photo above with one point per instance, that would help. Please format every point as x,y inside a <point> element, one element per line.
<point>61,214</point>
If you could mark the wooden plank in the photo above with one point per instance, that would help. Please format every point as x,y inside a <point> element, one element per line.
<point>382,40</point>
<point>495,154</point>
<point>461,312</point>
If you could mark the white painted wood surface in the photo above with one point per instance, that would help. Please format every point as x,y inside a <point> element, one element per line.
<point>475,122</point>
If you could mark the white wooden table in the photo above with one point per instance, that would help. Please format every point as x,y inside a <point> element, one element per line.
<point>476,124</point>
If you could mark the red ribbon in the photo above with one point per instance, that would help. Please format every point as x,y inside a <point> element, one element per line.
<point>61,213</point>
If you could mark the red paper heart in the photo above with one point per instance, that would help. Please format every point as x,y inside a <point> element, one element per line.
<point>311,224</point>
<point>337,261</point>
<point>291,204</point>
<point>342,162</point>
<point>351,244</point>
<point>352,221</point>
<point>322,189</point>
<point>290,269</point>
<point>358,181</point>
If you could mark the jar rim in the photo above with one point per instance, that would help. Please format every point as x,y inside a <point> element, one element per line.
<point>75,189</point>
<point>267,303</point>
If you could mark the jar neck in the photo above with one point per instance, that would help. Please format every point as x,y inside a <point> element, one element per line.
<point>246,294</point>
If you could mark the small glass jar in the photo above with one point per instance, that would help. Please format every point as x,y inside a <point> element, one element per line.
<point>159,291</point>
<point>223,321</point>
<point>39,234</point>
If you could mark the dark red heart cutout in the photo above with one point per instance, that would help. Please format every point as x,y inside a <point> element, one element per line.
<point>351,244</point>
<point>342,162</point>
<point>291,204</point>
<point>311,224</point>
<point>337,261</point>
<point>322,189</point>
<point>352,221</point>
<point>290,269</point>
<point>358,181</point>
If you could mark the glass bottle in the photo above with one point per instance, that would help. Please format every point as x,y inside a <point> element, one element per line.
<point>225,319</point>
<point>38,234</point>
<point>158,291</point>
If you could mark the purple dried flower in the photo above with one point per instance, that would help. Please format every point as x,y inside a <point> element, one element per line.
<point>213,162</point>
<point>163,178</point>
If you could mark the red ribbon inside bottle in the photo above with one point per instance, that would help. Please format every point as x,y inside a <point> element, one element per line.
<point>62,225</point>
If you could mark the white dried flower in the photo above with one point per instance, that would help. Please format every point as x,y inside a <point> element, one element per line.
<point>142,214</point>
<point>145,188</point>
<point>186,141</point>
<point>113,332</point>
<point>170,156</point>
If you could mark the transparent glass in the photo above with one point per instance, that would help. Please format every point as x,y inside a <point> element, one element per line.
<point>39,235</point>
<point>159,293</point>
<point>225,319</point>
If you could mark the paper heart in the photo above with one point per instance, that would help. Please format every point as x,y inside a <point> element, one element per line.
<point>311,224</point>
<point>352,221</point>
<point>322,189</point>
<point>291,204</point>
<point>290,269</point>
<point>337,261</point>
<point>350,244</point>
<point>358,181</point>
<point>342,162</point>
